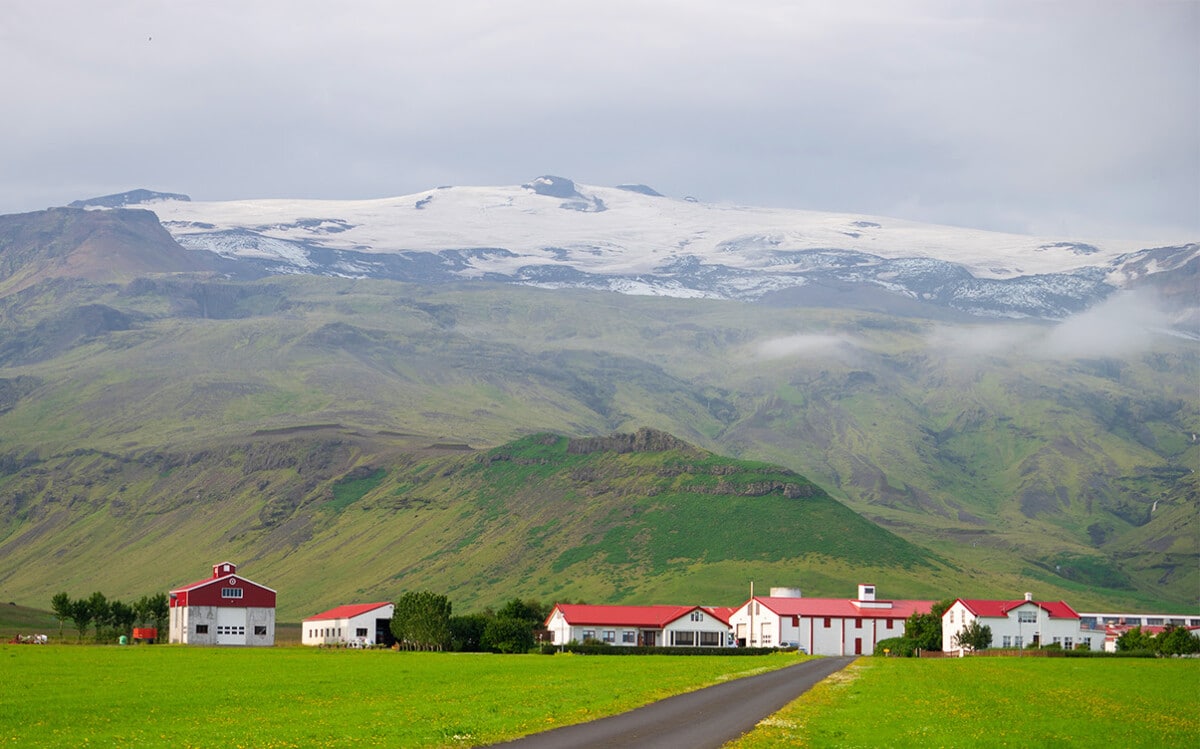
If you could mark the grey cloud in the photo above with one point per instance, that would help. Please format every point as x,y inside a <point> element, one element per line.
<point>1072,118</point>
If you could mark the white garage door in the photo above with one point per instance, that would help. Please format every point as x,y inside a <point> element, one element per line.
<point>231,626</point>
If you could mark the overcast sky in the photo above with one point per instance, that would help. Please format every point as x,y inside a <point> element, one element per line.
<point>1078,119</point>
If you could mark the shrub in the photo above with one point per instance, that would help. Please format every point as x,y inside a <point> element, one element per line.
<point>899,647</point>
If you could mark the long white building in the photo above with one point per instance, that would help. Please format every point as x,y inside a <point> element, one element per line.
<point>822,626</point>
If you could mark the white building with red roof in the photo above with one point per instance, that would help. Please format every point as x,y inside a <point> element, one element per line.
<point>224,609</point>
<point>354,624</point>
<point>1020,623</point>
<point>647,626</point>
<point>822,626</point>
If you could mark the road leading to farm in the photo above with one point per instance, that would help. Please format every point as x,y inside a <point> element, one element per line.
<point>704,719</point>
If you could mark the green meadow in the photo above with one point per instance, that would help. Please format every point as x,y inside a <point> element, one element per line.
<point>145,696</point>
<point>994,702</point>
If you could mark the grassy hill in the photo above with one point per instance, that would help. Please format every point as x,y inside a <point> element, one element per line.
<point>152,426</point>
<point>546,517</point>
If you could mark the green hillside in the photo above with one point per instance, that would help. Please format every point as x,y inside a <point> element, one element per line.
<point>339,439</point>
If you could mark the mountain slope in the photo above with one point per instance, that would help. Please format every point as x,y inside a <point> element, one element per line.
<point>322,519</point>
<point>1053,456</point>
<point>1023,463</point>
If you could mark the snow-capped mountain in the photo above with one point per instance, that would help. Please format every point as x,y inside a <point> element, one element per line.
<point>552,232</point>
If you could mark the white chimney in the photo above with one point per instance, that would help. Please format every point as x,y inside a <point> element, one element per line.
<point>1028,596</point>
<point>866,592</point>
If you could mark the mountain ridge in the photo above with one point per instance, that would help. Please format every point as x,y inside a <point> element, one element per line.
<point>1028,454</point>
<point>555,233</point>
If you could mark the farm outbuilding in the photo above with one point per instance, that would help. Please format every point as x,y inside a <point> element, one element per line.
<point>355,625</point>
<point>224,609</point>
<point>647,626</point>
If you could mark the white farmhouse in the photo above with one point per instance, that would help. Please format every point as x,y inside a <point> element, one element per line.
<point>355,624</point>
<point>1017,624</point>
<point>822,626</point>
<point>648,626</point>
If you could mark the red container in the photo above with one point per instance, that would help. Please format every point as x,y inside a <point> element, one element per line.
<point>145,633</point>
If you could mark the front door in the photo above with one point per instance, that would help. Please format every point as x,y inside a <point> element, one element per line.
<point>648,638</point>
<point>858,646</point>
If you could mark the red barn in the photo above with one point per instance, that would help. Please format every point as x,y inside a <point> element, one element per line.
<point>225,609</point>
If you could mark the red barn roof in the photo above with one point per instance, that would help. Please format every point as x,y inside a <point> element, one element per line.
<point>1000,609</point>
<point>655,617</point>
<point>211,591</point>
<point>844,607</point>
<point>347,611</point>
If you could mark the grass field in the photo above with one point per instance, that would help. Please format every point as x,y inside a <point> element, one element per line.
<point>145,696</point>
<point>986,702</point>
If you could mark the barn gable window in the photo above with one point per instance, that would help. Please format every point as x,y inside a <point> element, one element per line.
<point>231,592</point>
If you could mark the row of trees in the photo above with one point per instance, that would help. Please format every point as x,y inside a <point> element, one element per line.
<point>1172,640</point>
<point>110,618</point>
<point>423,621</point>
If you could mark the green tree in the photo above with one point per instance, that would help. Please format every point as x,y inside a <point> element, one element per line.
<point>152,611</point>
<point>98,604</point>
<point>81,614</point>
<point>508,635</point>
<point>925,630</point>
<point>1135,639</point>
<point>531,611</point>
<point>61,605</point>
<point>422,621</point>
<point>466,632</point>
<point>121,616</point>
<point>1176,640</point>
<point>974,636</point>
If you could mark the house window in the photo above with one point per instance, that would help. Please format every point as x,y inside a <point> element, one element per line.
<point>710,639</point>
<point>697,616</point>
<point>951,616</point>
<point>201,629</point>
<point>1006,642</point>
<point>858,623</point>
<point>231,592</point>
<point>629,637</point>
<point>589,634</point>
<point>890,622</point>
<point>610,635</point>
<point>795,621</point>
<point>260,630</point>
<point>1027,617</point>
<point>360,632</point>
<point>683,639</point>
<point>1018,641</point>
<point>231,631</point>
<point>1154,621</point>
<point>1058,641</point>
<point>1068,643</point>
<point>827,623</point>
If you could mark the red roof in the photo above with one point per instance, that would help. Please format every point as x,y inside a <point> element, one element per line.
<point>222,578</point>
<point>843,607</point>
<point>627,616</point>
<point>721,612</point>
<point>347,611</point>
<point>1000,609</point>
